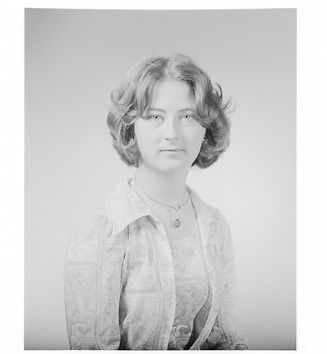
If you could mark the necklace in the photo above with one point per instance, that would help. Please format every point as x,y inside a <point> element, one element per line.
<point>175,218</point>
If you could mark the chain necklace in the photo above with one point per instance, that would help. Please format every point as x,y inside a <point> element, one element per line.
<point>175,219</point>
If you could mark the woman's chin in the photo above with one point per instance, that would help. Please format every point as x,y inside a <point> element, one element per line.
<point>167,167</point>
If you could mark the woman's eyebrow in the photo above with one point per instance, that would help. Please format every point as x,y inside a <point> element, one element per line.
<point>156,109</point>
<point>187,109</point>
<point>162,110</point>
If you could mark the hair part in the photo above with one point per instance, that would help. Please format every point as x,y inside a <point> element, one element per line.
<point>130,100</point>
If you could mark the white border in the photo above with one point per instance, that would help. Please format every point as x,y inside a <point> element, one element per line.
<point>312,161</point>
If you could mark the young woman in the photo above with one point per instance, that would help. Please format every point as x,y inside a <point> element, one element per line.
<point>154,269</point>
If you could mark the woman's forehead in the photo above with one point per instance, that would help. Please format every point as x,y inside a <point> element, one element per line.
<point>171,91</point>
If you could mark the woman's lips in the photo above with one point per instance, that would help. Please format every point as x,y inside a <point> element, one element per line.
<point>172,150</point>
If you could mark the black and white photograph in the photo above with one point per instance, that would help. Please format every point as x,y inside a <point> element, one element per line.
<point>163,171</point>
<point>160,179</point>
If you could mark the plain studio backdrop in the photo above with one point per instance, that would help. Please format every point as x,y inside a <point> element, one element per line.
<point>74,59</point>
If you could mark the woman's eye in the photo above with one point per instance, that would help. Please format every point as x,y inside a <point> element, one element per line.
<point>155,117</point>
<point>187,116</point>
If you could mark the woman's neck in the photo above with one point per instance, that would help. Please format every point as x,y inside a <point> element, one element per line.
<point>165,188</point>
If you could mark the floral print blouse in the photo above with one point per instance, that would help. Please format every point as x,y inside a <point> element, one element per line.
<point>120,285</point>
<point>191,287</point>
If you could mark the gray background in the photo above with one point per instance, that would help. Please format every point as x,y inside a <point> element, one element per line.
<point>73,59</point>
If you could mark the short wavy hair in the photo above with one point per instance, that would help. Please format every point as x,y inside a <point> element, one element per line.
<point>130,100</point>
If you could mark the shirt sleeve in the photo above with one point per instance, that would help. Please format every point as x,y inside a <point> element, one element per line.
<point>227,328</point>
<point>92,278</point>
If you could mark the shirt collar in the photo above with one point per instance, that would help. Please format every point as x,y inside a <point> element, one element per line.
<point>123,206</point>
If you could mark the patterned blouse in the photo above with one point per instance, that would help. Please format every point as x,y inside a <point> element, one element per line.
<point>191,287</point>
<point>124,285</point>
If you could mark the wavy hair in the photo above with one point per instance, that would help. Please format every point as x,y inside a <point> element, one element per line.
<point>130,100</point>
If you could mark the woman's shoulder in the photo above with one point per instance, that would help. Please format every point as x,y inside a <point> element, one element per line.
<point>89,231</point>
<point>213,211</point>
<point>111,216</point>
<point>220,216</point>
<point>90,226</point>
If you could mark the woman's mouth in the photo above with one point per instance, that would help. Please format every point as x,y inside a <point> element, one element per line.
<point>172,150</point>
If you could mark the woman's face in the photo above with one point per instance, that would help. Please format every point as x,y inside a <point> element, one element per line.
<point>168,135</point>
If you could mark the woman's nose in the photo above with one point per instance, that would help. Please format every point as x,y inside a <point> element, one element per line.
<point>172,129</point>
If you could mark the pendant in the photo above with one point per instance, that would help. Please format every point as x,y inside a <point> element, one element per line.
<point>176,222</point>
